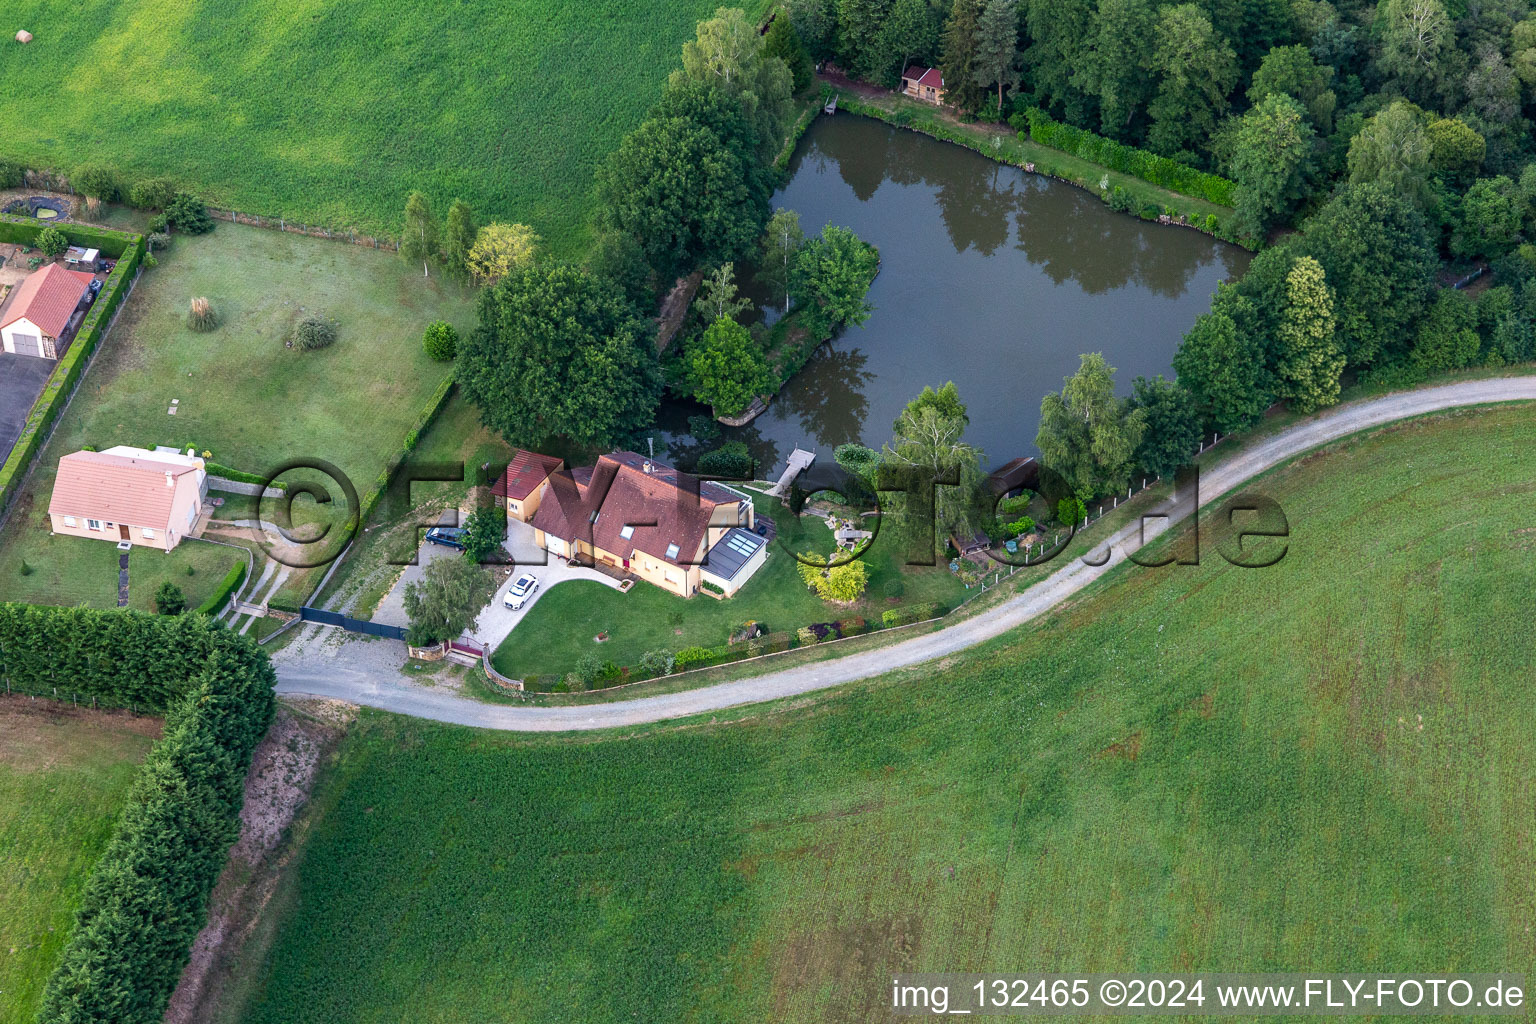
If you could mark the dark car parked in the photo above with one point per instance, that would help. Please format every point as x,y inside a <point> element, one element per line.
<point>447,536</point>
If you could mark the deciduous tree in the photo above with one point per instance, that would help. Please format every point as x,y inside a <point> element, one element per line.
<point>500,249</point>
<point>1310,361</point>
<point>1271,156</point>
<point>418,239</point>
<point>830,279</point>
<point>1392,151</point>
<point>459,233</point>
<point>782,242</point>
<point>1197,70</point>
<point>726,369</point>
<point>1223,369</point>
<point>557,351</point>
<point>445,601</point>
<point>1087,434</point>
<point>684,196</point>
<point>1172,425</point>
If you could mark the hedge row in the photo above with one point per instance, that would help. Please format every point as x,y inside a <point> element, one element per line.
<point>1138,163</point>
<point>147,896</point>
<point>429,414</point>
<point>20,230</point>
<point>68,370</point>
<point>227,586</point>
<point>912,613</point>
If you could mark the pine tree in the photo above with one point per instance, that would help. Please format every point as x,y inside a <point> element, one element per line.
<point>1310,360</point>
<point>960,58</point>
<point>997,42</point>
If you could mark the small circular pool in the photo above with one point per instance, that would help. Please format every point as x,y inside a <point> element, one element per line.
<point>41,207</point>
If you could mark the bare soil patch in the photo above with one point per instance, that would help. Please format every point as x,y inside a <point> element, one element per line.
<point>29,731</point>
<point>283,771</point>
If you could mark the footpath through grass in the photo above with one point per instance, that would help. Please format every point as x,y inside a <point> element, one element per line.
<point>332,113</point>
<point>239,392</point>
<point>1193,768</point>
<point>63,777</point>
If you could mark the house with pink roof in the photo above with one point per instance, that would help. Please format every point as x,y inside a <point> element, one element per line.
<point>151,498</point>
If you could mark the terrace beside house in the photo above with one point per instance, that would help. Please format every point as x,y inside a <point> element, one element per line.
<point>129,495</point>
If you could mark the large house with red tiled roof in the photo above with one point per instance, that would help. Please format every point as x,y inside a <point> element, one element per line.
<point>35,318</point>
<point>521,488</point>
<point>926,84</point>
<point>150,498</point>
<point>642,517</point>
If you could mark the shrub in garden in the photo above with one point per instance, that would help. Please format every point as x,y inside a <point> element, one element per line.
<point>152,193</point>
<point>588,667</point>
<point>1070,511</point>
<point>188,213</point>
<point>201,317</point>
<point>894,588</point>
<point>169,600</point>
<point>731,460</point>
<point>657,663</point>
<point>51,242</point>
<point>158,240</point>
<point>97,181</point>
<point>692,657</point>
<point>441,341</point>
<point>314,332</point>
<point>806,635</point>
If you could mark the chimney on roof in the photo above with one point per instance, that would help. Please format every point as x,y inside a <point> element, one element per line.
<point>647,465</point>
<point>170,480</point>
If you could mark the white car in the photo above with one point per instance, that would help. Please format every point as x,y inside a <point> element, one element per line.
<point>520,590</point>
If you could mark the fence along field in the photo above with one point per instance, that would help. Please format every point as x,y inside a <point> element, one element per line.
<point>330,114</point>
<point>1194,767</point>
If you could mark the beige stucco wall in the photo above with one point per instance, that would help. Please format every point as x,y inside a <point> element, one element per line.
<point>524,509</point>
<point>185,509</point>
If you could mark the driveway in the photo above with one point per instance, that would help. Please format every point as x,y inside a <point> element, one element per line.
<point>359,686</point>
<point>21,381</point>
<point>496,620</point>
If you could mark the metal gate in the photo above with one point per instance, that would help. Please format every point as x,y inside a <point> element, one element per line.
<point>346,622</point>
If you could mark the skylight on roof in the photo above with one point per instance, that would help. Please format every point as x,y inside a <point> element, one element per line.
<point>672,550</point>
<point>627,532</point>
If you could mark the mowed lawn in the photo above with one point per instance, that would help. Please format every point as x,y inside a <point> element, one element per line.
<point>563,624</point>
<point>330,113</point>
<point>1324,765</point>
<point>239,391</point>
<point>63,778</point>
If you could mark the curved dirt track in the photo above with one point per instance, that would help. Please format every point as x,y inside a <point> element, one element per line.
<point>366,685</point>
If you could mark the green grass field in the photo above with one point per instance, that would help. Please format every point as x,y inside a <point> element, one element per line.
<point>1316,765</point>
<point>241,393</point>
<point>559,629</point>
<point>63,778</point>
<point>331,113</point>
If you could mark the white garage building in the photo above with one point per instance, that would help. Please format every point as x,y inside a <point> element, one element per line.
<point>32,322</point>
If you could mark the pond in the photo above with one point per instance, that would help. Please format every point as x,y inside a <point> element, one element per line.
<point>991,277</point>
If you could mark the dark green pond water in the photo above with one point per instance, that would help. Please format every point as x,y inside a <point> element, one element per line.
<point>990,277</point>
